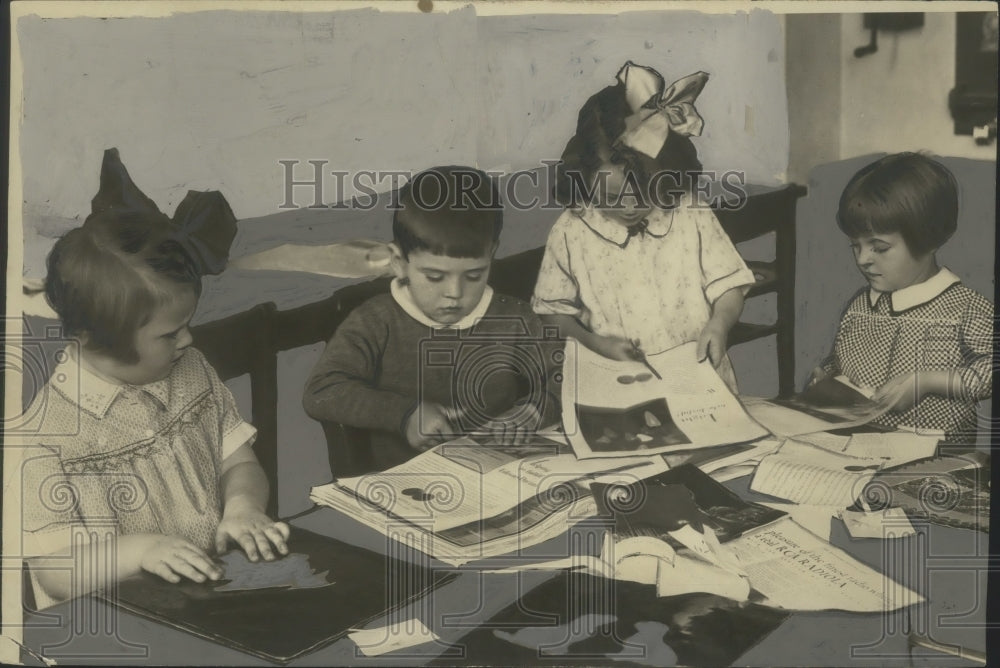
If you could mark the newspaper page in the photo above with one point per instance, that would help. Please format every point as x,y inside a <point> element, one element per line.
<point>797,570</point>
<point>614,409</point>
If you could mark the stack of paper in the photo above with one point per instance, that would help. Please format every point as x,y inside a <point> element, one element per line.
<point>461,501</point>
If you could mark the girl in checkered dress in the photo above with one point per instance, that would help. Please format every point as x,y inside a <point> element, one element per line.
<point>915,335</point>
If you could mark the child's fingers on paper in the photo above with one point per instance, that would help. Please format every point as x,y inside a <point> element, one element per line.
<point>263,543</point>
<point>163,570</point>
<point>188,570</point>
<point>701,349</point>
<point>197,559</point>
<point>277,537</point>
<point>248,544</point>
<point>283,529</point>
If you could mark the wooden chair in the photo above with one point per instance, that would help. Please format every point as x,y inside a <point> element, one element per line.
<point>753,217</point>
<point>244,344</point>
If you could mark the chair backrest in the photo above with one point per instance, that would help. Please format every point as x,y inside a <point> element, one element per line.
<point>244,344</point>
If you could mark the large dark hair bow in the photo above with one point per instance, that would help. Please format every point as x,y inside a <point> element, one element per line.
<point>203,222</point>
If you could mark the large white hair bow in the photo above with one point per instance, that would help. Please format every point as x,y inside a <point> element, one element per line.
<point>655,111</point>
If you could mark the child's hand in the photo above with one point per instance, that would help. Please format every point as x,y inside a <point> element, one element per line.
<point>428,425</point>
<point>613,347</point>
<point>516,426</point>
<point>903,392</point>
<point>818,374</point>
<point>172,557</point>
<point>899,393</point>
<point>712,344</point>
<point>253,531</point>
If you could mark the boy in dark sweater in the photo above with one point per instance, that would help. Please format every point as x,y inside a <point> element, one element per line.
<point>441,355</point>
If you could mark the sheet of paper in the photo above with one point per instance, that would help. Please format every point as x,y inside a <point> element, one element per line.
<point>888,523</point>
<point>687,574</point>
<point>399,635</point>
<point>732,472</point>
<point>807,474</point>
<point>797,570</point>
<point>613,409</point>
<point>741,463</point>
<point>586,563</point>
<point>828,405</point>
<point>893,448</point>
<point>825,440</point>
<point>814,518</point>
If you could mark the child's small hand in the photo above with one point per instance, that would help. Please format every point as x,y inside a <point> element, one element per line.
<point>818,374</point>
<point>613,347</point>
<point>516,426</point>
<point>429,425</point>
<point>172,557</point>
<point>253,531</point>
<point>712,344</point>
<point>899,393</point>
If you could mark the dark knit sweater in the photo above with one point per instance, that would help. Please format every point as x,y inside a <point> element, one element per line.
<point>381,362</point>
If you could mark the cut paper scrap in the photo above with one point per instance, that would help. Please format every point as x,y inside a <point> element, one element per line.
<point>649,637</point>
<point>814,518</point>
<point>556,640</point>
<point>888,523</point>
<point>292,572</point>
<point>358,258</point>
<point>649,560</point>
<point>396,636</point>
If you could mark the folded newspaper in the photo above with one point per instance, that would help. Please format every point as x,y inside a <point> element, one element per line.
<point>667,403</point>
<point>463,501</point>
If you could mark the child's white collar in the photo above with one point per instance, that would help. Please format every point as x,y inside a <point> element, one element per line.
<point>92,392</point>
<point>918,293</point>
<point>658,224</point>
<point>401,293</point>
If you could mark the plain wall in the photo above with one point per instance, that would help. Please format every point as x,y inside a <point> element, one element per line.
<point>896,99</point>
<point>899,95</point>
<point>213,100</point>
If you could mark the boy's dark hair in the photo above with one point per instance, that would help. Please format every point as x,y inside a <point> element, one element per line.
<point>106,278</point>
<point>453,211</point>
<point>908,193</point>
<point>601,121</point>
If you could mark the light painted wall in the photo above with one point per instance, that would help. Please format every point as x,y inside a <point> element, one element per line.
<point>542,68</point>
<point>813,74</point>
<point>214,99</point>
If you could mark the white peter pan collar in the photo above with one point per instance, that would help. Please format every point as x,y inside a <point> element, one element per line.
<point>401,293</point>
<point>918,293</point>
<point>658,224</point>
<point>92,392</point>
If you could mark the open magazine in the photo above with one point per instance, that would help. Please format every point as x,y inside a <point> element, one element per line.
<point>620,409</point>
<point>832,402</point>
<point>462,501</point>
